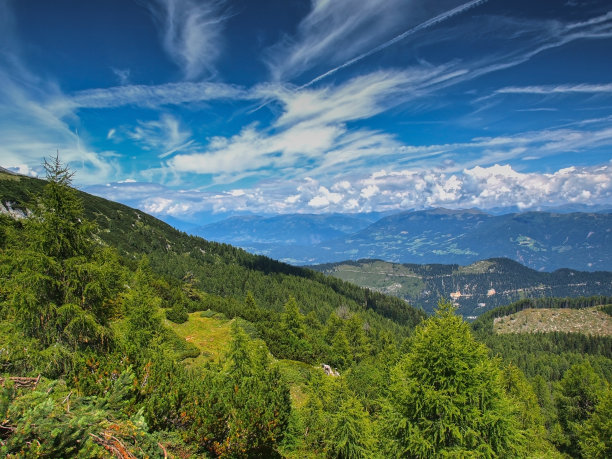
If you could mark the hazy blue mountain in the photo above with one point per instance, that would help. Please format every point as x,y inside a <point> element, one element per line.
<point>290,229</point>
<point>539,240</point>
<point>544,241</point>
<point>473,288</point>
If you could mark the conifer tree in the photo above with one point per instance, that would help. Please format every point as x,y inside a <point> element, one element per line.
<point>596,433</point>
<point>581,389</point>
<point>60,229</point>
<point>341,350</point>
<point>256,402</point>
<point>447,398</point>
<point>142,311</point>
<point>351,432</point>
<point>59,278</point>
<point>528,411</point>
<point>294,332</point>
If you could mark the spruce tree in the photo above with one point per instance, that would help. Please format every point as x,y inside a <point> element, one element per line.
<point>581,389</point>
<point>596,433</point>
<point>447,397</point>
<point>58,277</point>
<point>351,432</point>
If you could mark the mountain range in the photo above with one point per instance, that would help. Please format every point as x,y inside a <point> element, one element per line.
<point>474,288</point>
<point>544,241</point>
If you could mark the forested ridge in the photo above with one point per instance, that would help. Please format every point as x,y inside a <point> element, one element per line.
<point>91,368</point>
<point>474,288</point>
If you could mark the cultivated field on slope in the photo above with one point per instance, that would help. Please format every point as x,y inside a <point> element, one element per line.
<point>589,321</point>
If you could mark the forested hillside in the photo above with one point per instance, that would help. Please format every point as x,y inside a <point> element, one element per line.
<point>120,337</point>
<point>474,288</point>
<point>570,370</point>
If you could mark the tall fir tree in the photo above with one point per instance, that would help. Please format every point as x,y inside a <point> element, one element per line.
<point>447,398</point>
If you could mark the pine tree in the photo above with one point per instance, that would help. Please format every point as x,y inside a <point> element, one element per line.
<point>528,411</point>
<point>351,432</point>
<point>256,402</point>
<point>596,433</point>
<point>59,278</point>
<point>61,229</point>
<point>293,330</point>
<point>447,398</point>
<point>141,306</point>
<point>581,389</point>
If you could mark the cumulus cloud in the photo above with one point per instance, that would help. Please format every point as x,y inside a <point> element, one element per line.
<point>496,186</point>
<point>23,169</point>
<point>191,33</point>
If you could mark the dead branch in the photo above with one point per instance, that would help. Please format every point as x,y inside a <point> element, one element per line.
<point>113,445</point>
<point>163,449</point>
<point>21,381</point>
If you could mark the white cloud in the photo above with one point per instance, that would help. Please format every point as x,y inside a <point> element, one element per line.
<point>23,169</point>
<point>191,33</point>
<point>31,132</point>
<point>558,89</point>
<point>123,75</point>
<point>311,132</point>
<point>164,136</point>
<point>336,31</point>
<point>149,96</point>
<point>495,186</point>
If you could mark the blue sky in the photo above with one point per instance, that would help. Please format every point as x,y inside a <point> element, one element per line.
<point>185,108</point>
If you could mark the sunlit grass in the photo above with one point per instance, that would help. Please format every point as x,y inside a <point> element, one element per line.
<point>210,334</point>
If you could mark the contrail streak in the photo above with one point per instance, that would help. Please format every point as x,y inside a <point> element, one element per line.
<point>424,25</point>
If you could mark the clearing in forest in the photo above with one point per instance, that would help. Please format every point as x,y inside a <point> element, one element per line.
<point>589,321</point>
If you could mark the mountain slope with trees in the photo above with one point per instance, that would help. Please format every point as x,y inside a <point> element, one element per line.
<point>474,288</point>
<point>90,367</point>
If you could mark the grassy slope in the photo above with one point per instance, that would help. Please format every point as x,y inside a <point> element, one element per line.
<point>589,321</point>
<point>211,335</point>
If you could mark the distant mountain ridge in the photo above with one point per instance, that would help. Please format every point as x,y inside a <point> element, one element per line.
<point>544,241</point>
<point>297,229</point>
<point>474,288</point>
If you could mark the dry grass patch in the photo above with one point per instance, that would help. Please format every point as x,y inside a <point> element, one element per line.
<point>589,321</point>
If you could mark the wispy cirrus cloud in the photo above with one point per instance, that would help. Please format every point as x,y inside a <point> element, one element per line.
<point>30,131</point>
<point>583,88</point>
<point>444,16</point>
<point>336,31</point>
<point>150,96</point>
<point>313,125</point>
<point>164,136</point>
<point>316,134</point>
<point>191,33</point>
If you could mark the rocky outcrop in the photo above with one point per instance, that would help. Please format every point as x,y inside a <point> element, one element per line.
<point>329,371</point>
<point>7,209</point>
